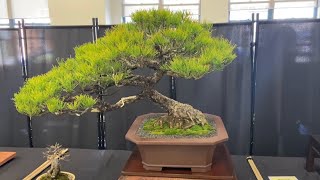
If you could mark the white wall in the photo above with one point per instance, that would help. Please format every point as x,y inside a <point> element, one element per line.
<point>29,8</point>
<point>115,9</point>
<point>76,12</point>
<point>214,11</point>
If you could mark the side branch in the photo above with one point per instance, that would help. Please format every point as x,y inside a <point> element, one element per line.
<point>121,103</point>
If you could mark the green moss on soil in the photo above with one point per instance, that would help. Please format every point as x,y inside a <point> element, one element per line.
<point>60,176</point>
<point>153,128</point>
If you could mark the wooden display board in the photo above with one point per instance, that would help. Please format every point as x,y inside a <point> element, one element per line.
<point>6,156</point>
<point>222,168</point>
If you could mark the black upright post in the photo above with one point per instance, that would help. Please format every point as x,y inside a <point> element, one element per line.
<point>253,55</point>
<point>173,92</point>
<point>24,63</point>
<point>94,38</point>
<point>101,118</point>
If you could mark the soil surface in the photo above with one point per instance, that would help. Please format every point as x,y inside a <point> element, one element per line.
<point>144,134</point>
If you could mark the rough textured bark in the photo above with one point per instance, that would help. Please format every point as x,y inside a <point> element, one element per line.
<point>54,168</point>
<point>179,114</point>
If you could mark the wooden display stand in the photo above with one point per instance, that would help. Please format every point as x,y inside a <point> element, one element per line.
<point>6,156</point>
<point>222,169</point>
<point>314,152</point>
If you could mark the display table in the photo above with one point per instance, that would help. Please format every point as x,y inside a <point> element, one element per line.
<point>107,165</point>
<point>84,163</point>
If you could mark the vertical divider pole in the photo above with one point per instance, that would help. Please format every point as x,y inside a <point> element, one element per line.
<point>25,69</point>
<point>253,55</point>
<point>101,119</point>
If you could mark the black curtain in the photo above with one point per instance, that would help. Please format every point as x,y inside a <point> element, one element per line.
<point>13,126</point>
<point>226,93</point>
<point>288,87</point>
<point>44,46</point>
<point>287,94</point>
<point>102,30</point>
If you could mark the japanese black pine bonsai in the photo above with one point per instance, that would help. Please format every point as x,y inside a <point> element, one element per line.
<point>165,42</point>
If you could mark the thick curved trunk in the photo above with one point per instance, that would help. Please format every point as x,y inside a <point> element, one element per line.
<point>179,114</point>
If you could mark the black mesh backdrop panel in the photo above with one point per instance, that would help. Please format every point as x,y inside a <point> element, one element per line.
<point>288,88</point>
<point>44,47</point>
<point>102,30</point>
<point>226,93</point>
<point>13,126</point>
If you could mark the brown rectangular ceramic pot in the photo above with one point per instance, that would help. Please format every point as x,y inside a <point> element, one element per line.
<point>194,153</point>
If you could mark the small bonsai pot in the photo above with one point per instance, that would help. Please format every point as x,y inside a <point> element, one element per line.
<point>70,175</point>
<point>195,153</point>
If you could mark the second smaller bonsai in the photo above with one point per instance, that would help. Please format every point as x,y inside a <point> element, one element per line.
<point>55,154</point>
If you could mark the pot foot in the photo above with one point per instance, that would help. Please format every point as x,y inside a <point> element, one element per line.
<point>152,168</point>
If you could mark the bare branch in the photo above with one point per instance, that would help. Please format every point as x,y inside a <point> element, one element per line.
<point>55,151</point>
<point>122,102</point>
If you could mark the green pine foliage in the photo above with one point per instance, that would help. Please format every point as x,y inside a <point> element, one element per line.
<point>81,102</point>
<point>55,105</point>
<point>180,46</point>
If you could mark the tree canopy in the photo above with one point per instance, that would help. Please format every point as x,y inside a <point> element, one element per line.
<point>170,43</point>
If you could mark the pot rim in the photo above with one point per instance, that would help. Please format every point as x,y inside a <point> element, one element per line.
<point>221,134</point>
<point>71,176</point>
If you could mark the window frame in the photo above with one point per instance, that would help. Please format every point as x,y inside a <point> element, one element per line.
<point>271,9</point>
<point>5,9</point>
<point>160,5</point>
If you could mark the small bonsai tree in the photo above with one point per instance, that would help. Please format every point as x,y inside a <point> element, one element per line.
<point>54,155</point>
<point>165,42</point>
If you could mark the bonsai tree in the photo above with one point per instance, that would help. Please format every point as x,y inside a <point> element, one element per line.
<point>167,43</point>
<point>54,155</point>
